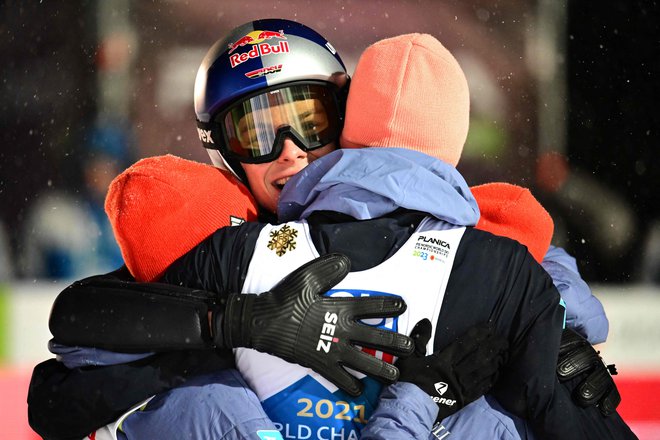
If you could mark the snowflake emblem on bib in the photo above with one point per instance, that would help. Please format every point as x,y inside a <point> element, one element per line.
<point>282,240</point>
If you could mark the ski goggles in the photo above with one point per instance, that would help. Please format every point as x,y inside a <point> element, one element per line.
<point>254,129</point>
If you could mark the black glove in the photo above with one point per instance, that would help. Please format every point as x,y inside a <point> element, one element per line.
<point>459,374</point>
<point>578,357</point>
<point>295,322</point>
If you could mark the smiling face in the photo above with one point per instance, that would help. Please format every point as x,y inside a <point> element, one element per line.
<point>252,128</point>
<point>266,180</point>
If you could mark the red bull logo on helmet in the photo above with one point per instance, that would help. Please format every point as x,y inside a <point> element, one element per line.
<point>259,46</point>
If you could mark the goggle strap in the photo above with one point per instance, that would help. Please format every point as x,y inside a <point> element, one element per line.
<point>208,133</point>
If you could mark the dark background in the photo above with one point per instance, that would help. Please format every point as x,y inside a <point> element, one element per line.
<point>613,66</point>
<point>48,98</point>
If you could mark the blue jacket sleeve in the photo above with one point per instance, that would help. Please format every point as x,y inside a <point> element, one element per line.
<point>404,412</point>
<point>216,406</point>
<point>78,357</point>
<point>228,410</point>
<point>485,419</point>
<point>584,312</point>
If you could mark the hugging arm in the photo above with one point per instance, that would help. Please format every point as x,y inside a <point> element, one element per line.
<point>159,317</point>
<point>116,313</point>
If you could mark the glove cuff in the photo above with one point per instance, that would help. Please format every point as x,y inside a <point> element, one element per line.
<point>234,328</point>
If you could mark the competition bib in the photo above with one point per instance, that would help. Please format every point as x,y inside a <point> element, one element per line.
<point>301,403</point>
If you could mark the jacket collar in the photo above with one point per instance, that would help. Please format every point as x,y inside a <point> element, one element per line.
<point>371,182</point>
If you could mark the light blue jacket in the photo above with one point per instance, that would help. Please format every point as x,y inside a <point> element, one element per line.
<point>368,183</point>
<point>371,182</point>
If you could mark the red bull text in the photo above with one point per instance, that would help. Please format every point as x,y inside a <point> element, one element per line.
<point>259,50</point>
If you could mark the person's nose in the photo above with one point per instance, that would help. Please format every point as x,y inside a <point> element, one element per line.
<point>291,152</point>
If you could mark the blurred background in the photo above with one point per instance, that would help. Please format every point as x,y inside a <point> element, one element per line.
<point>562,101</point>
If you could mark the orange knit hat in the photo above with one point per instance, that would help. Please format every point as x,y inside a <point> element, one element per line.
<point>512,211</point>
<point>161,207</point>
<point>408,92</point>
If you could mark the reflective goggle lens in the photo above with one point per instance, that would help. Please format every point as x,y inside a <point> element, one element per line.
<point>251,126</point>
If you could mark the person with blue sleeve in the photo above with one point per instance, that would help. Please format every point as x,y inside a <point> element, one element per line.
<point>505,210</point>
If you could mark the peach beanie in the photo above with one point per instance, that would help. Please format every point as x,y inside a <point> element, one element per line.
<point>408,92</point>
<point>161,207</point>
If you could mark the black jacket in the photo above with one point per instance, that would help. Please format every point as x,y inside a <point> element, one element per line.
<point>493,279</point>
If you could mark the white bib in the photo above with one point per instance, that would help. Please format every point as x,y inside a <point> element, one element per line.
<point>299,401</point>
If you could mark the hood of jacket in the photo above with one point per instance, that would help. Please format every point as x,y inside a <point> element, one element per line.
<point>372,182</point>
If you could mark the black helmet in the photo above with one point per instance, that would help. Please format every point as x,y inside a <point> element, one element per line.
<point>268,79</point>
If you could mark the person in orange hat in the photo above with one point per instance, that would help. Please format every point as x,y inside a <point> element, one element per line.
<point>169,194</point>
<point>433,240</point>
<point>145,193</point>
